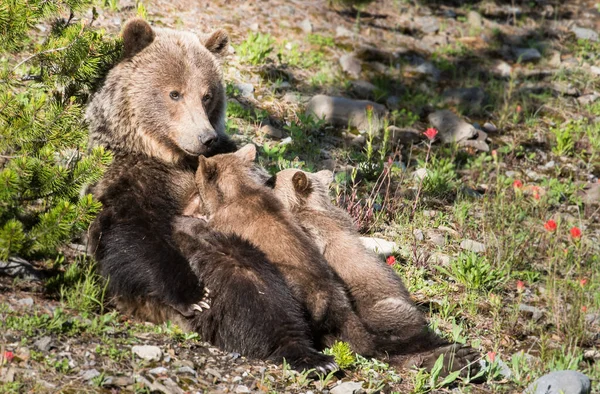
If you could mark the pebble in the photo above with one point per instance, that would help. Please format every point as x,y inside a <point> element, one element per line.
<point>158,371</point>
<point>475,20</point>
<point>306,26</point>
<point>557,382</point>
<point>489,127</point>
<point>347,388</point>
<point>341,31</point>
<point>43,344</point>
<point>427,24</point>
<point>436,238</point>
<point>472,246</point>
<point>450,127</point>
<point>147,352</point>
<point>363,89</point>
<point>418,234</point>
<point>351,65</point>
<point>585,34</point>
<point>535,313</point>
<point>271,131</point>
<point>379,245</point>
<point>525,55</point>
<point>503,69</point>
<point>241,389</point>
<point>213,372</point>
<point>246,89</point>
<point>588,98</point>
<point>25,301</point>
<point>90,374</point>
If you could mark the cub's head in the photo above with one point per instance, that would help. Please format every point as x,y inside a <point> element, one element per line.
<point>224,178</point>
<point>297,189</point>
<point>165,98</point>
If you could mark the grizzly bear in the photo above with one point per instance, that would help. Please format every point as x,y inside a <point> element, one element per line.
<point>161,107</point>
<point>376,291</point>
<point>237,204</point>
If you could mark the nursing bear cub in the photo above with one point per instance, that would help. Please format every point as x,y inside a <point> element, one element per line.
<point>182,214</point>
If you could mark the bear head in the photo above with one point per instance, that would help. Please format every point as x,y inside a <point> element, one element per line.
<point>165,98</point>
<point>298,189</point>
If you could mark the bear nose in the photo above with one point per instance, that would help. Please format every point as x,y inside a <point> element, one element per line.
<point>208,139</point>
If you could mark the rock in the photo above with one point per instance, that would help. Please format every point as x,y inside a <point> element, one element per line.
<point>404,136</point>
<point>213,372</point>
<point>427,24</point>
<point>7,375</point>
<point>17,267</point>
<point>241,389</point>
<point>450,127</point>
<point>118,381</point>
<point>285,141</point>
<point>347,388</point>
<point>379,246</point>
<point>306,26</point>
<point>271,131</point>
<point>585,34</point>
<point>329,164</point>
<point>441,259</point>
<point>43,344</point>
<point>420,174</point>
<point>565,88</point>
<point>147,352</point>
<point>363,89</point>
<point>595,70</point>
<point>418,234</point>
<point>490,127</point>
<point>427,68</point>
<point>535,313</point>
<point>476,144</point>
<point>436,238</point>
<point>25,301</point>
<point>472,98</point>
<point>158,371</point>
<point>472,246</point>
<point>351,65</point>
<point>504,369</point>
<point>525,55</point>
<point>590,194</point>
<point>246,89</point>
<point>502,69</point>
<point>359,141</point>
<point>186,370</point>
<point>341,31</point>
<point>555,60</point>
<point>295,98</point>
<point>341,111</point>
<point>90,374</point>
<point>475,20</point>
<point>557,382</point>
<point>588,98</point>
<point>369,53</point>
<point>392,102</point>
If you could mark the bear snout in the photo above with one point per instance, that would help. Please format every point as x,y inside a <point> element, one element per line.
<point>207,138</point>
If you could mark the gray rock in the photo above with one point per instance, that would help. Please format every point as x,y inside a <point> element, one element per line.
<point>504,369</point>
<point>186,370</point>
<point>561,382</point>
<point>306,26</point>
<point>392,102</point>
<point>246,89</point>
<point>271,131</point>
<point>418,234</point>
<point>347,388</point>
<point>20,268</point>
<point>475,20</point>
<point>427,24</point>
<point>595,70</point>
<point>490,127</point>
<point>450,127</point>
<point>427,68</point>
<point>359,141</point>
<point>241,389</point>
<point>379,246</point>
<point>295,98</point>
<point>341,31</point>
<point>533,312</point>
<point>472,98</point>
<point>147,352</point>
<point>472,246</point>
<point>436,238</point>
<point>404,136</point>
<point>477,144</point>
<point>585,34</point>
<point>502,69</point>
<point>25,301</point>
<point>555,60</point>
<point>158,371</point>
<point>363,89</point>
<point>90,374</point>
<point>43,344</point>
<point>525,55</point>
<point>591,193</point>
<point>342,112</point>
<point>369,53</point>
<point>351,65</point>
<point>213,372</point>
<point>420,173</point>
<point>588,98</point>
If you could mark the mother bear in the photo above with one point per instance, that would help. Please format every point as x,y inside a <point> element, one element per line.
<point>161,107</point>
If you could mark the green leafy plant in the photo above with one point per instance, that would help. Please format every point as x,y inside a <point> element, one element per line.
<point>344,356</point>
<point>256,48</point>
<point>474,272</point>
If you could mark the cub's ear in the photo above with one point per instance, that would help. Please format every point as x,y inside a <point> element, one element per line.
<point>207,169</point>
<point>301,183</point>
<point>325,177</point>
<point>247,153</point>
<point>137,35</point>
<point>217,43</point>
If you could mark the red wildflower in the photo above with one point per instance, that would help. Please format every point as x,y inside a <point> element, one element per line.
<point>520,286</point>
<point>491,356</point>
<point>430,133</point>
<point>391,260</point>
<point>519,109</point>
<point>584,308</point>
<point>8,356</point>
<point>575,232</point>
<point>550,225</point>
<point>582,282</point>
<point>517,184</point>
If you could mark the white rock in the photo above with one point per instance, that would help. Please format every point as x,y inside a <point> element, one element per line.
<point>379,245</point>
<point>306,26</point>
<point>147,352</point>
<point>351,65</point>
<point>418,234</point>
<point>347,388</point>
<point>585,34</point>
<point>472,246</point>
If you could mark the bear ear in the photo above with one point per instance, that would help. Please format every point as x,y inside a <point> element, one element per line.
<point>247,153</point>
<point>325,177</point>
<point>207,169</point>
<point>217,43</point>
<point>137,35</point>
<point>301,183</point>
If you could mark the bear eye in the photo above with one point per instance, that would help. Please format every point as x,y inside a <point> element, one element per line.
<point>207,97</point>
<point>175,95</point>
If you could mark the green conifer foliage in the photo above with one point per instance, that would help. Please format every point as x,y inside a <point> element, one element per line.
<point>45,80</point>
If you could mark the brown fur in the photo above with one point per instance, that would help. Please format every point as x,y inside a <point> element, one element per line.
<point>237,204</point>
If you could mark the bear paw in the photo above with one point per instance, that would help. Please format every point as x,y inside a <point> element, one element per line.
<point>204,302</point>
<point>456,358</point>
